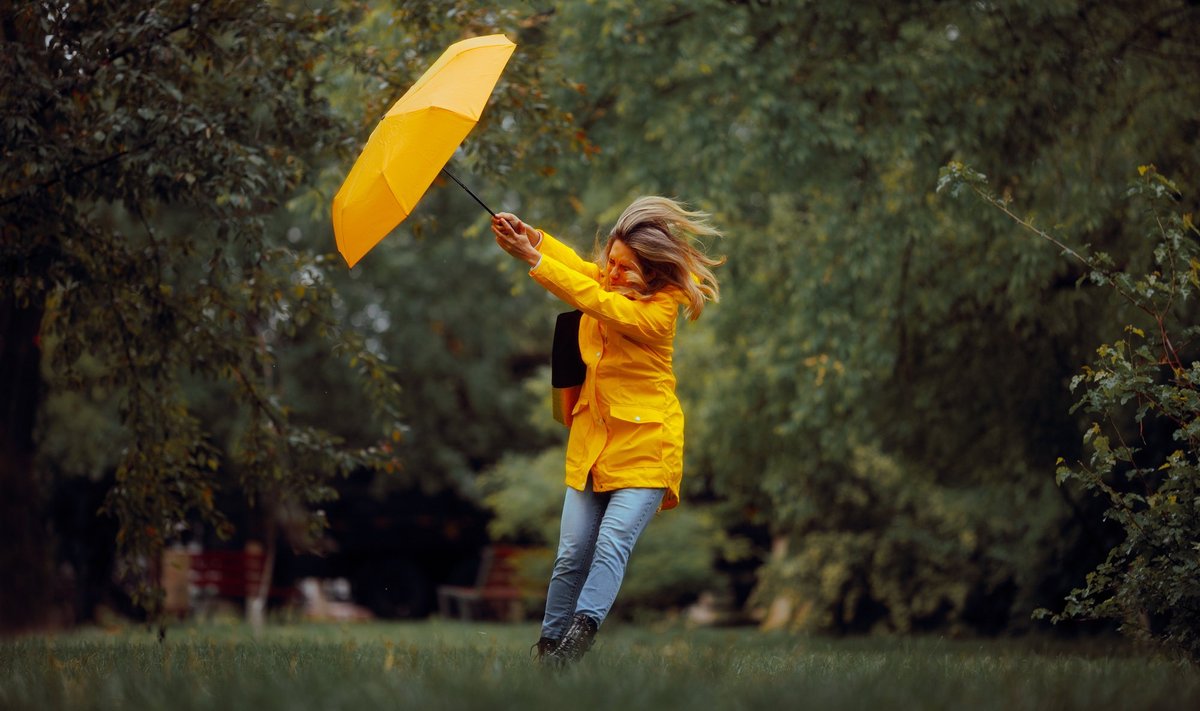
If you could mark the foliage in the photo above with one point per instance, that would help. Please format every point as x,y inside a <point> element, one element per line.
<point>525,494</point>
<point>1144,445</point>
<point>170,166</point>
<point>859,310</point>
<point>902,554</point>
<point>484,666</point>
<point>676,556</point>
<point>423,297</point>
<point>678,560</point>
<point>146,147</point>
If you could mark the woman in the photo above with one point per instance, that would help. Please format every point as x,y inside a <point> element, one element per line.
<point>625,450</point>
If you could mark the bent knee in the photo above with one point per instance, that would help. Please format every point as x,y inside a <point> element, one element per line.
<point>572,556</point>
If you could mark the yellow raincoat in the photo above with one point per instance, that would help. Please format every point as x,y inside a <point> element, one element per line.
<point>627,427</point>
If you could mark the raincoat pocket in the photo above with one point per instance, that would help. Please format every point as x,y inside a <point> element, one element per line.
<point>636,414</point>
<point>637,437</point>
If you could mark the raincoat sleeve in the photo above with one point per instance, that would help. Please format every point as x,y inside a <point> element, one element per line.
<point>567,256</point>
<point>649,321</point>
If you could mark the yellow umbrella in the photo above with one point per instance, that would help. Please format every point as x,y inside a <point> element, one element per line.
<point>413,142</point>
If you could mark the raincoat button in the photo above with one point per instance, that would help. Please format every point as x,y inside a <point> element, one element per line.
<point>638,418</point>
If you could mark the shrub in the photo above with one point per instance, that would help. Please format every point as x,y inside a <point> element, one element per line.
<point>905,554</point>
<point>1144,443</point>
<point>675,559</point>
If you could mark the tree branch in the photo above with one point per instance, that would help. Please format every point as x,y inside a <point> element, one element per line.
<point>20,193</point>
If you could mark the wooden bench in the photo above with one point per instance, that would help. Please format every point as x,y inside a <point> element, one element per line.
<point>496,592</point>
<point>228,575</point>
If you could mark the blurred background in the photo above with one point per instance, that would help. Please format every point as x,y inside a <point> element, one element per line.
<point>205,412</point>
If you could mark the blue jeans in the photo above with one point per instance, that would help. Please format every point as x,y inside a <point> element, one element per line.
<point>596,536</point>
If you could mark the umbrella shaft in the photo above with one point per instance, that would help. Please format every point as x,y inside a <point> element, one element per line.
<point>464,187</point>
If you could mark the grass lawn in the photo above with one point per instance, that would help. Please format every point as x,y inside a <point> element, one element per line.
<point>447,665</point>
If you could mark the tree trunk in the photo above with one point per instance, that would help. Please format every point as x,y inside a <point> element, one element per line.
<point>25,564</point>
<point>256,603</point>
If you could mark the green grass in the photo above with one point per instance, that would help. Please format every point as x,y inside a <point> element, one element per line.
<point>443,665</point>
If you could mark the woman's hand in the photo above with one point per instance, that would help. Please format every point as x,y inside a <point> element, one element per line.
<point>516,237</point>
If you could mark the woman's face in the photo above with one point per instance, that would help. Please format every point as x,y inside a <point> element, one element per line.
<point>621,261</point>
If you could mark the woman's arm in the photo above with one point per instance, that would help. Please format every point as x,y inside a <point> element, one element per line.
<point>567,256</point>
<point>542,242</point>
<point>648,321</point>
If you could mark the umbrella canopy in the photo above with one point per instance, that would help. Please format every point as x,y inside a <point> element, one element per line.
<point>413,141</point>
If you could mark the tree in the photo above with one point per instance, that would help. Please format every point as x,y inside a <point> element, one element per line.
<point>195,150</point>
<point>146,146</point>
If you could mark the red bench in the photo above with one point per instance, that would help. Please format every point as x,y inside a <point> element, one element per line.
<point>496,592</point>
<point>216,574</point>
<point>229,574</point>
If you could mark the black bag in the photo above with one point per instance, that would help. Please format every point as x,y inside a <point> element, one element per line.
<point>567,370</point>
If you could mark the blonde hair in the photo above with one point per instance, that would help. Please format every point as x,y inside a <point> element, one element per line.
<point>660,231</point>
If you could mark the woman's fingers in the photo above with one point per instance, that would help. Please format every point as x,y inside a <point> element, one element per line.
<point>505,237</point>
<point>513,238</point>
<point>505,221</point>
<point>509,246</point>
<point>512,220</point>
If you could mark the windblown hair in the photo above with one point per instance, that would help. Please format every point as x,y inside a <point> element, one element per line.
<point>660,231</point>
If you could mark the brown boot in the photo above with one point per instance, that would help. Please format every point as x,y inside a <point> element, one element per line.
<point>576,642</point>
<point>543,648</point>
